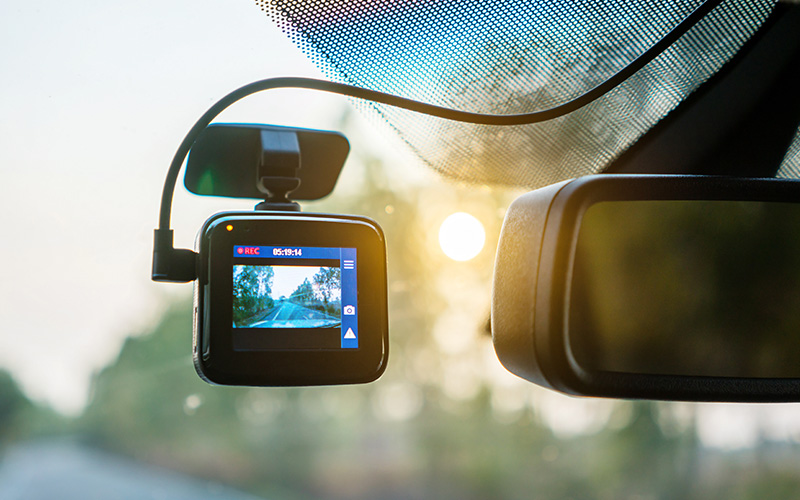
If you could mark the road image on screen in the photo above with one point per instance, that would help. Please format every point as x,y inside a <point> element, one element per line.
<point>287,296</point>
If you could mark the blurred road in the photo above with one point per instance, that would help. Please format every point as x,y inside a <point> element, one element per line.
<point>65,469</point>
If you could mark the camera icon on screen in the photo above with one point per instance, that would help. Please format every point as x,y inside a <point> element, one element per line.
<point>349,310</point>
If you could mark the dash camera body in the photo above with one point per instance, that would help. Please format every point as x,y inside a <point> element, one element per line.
<point>288,298</point>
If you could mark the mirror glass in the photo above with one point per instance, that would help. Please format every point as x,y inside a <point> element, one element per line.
<point>700,288</point>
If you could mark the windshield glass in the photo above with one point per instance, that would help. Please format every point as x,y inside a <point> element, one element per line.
<point>98,396</point>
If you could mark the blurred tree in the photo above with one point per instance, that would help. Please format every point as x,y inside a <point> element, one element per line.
<point>328,283</point>
<point>252,291</point>
<point>303,293</point>
<point>13,404</point>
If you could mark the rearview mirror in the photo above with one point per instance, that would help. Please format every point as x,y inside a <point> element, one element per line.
<point>658,287</point>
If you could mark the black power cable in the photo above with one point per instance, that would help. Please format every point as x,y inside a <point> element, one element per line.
<point>164,271</point>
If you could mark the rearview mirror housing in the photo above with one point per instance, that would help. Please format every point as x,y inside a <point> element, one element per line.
<point>653,287</point>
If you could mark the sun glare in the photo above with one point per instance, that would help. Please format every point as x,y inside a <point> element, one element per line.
<point>461,236</point>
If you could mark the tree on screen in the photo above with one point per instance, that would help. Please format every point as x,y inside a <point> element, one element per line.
<point>328,284</point>
<point>252,292</point>
<point>303,293</point>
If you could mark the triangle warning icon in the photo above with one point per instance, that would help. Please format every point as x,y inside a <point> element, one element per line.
<point>349,334</point>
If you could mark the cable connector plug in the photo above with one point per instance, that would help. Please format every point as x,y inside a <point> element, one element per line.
<point>176,265</point>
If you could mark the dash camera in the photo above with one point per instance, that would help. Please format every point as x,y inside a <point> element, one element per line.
<point>290,299</point>
<point>282,298</point>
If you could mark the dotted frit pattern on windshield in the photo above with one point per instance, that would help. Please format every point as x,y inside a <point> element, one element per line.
<point>515,56</point>
<point>790,167</point>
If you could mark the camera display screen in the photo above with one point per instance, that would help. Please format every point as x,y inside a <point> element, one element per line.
<point>294,298</point>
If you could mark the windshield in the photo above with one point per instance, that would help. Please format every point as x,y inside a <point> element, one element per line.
<point>98,396</point>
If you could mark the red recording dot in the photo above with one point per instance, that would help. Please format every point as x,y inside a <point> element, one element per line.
<point>240,250</point>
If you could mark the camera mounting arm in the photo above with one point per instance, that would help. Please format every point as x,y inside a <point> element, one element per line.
<point>276,177</point>
<point>180,265</point>
<point>277,169</point>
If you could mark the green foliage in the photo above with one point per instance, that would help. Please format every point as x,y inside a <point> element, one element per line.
<point>13,404</point>
<point>12,401</point>
<point>21,419</point>
<point>252,292</point>
<point>303,292</point>
<point>328,283</point>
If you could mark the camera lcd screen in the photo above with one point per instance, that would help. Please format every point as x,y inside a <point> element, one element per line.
<point>294,298</point>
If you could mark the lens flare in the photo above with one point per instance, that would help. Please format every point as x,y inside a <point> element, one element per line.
<point>461,236</point>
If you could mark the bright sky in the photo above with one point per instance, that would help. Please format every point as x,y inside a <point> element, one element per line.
<point>288,278</point>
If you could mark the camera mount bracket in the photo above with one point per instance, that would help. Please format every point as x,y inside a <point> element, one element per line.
<point>277,170</point>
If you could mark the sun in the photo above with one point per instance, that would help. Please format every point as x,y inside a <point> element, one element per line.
<point>461,236</point>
